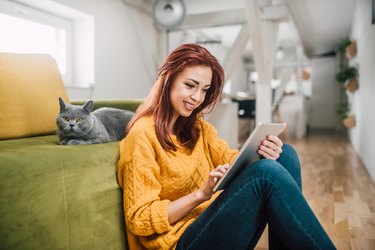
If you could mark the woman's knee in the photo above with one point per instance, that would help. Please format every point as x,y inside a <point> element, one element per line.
<point>289,160</point>
<point>267,167</point>
<point>289,157</point>
<point>288,149</point>
<point>274,171</point>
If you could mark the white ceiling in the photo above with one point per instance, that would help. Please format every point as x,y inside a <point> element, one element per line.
<point>318,24</point>
<point>322,23</point>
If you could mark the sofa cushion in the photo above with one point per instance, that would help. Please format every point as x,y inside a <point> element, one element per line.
<point>30,85</point>
<point>60,196</point>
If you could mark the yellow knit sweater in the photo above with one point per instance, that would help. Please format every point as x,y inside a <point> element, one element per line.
<point>151,178</point>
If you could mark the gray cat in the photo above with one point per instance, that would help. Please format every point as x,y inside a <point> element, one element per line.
<point>80,125</point>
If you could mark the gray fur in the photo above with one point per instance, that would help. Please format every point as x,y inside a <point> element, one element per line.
<point>99,126</point>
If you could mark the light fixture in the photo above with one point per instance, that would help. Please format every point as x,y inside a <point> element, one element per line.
<point>168,14</point>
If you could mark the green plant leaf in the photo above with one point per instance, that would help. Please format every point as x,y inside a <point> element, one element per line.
<point>343,44</point>
<point>345,74</point>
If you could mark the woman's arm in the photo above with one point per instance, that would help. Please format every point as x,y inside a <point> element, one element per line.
<point>181,207</point>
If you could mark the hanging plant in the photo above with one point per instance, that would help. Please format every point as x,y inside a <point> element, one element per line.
<point>346,73</point>
<point>352,85</point>
<point>342,110</point>
<point>351,50</point>
<point>349,122</point>
<point>348,77</point>
<point>347,47</point>
<point>343,44</point>
<point>343,113</point>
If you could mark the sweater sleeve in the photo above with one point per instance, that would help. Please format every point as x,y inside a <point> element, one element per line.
<point>218,148</point>
<point>139,174</point>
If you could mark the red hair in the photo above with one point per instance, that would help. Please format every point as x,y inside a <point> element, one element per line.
<point>158,103</point>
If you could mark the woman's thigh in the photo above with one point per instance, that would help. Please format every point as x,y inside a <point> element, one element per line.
<point>237,218</point>
<point>264,192</point>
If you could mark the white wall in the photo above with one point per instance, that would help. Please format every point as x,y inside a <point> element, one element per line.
<point>362,135</point>
<point>125,50</point>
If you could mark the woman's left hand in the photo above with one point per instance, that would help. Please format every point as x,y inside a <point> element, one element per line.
<point>271,148</point>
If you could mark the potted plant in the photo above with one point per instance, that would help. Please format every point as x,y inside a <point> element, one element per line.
<point>348,77</point>
<point>343,112</point>
<point>349,122</point>
<point>347,47</point>
<point>343,44</point>
<point>351,50</point>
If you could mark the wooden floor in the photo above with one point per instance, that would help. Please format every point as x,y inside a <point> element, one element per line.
<point>339,190</point>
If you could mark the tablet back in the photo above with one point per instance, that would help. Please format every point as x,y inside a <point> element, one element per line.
<point>248,152</point>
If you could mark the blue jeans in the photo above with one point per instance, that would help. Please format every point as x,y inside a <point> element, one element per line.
<point>266,192</point>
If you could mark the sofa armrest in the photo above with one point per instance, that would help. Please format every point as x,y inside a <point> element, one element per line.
<point>126,104</point>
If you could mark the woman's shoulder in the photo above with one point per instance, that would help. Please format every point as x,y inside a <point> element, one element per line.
<point>206,126</point>
<point>144,123</point>
<point>144,126</point>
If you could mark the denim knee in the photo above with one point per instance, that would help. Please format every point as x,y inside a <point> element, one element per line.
<point>287,148</point>
<point>270,169</point>
<point>289,160</point>
<point>289,151</point>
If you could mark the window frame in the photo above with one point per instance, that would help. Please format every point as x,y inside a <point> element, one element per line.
<point>58,23</point>
<point>81,38</point>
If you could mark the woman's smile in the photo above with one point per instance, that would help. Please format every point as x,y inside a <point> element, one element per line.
<point>189,106</point>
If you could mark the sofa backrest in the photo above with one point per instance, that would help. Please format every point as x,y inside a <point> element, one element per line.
<point>30,85</point>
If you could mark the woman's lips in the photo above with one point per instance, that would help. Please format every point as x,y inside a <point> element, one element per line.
<point>189,106</point>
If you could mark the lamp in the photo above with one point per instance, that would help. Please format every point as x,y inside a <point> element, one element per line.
<point>168,14</point>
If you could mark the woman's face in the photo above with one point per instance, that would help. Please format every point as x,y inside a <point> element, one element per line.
<point>189,90</point>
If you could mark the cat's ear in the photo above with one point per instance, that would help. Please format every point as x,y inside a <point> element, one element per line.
<point>88,107</point>
<point>62,104</point>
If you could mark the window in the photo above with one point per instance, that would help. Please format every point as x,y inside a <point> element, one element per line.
<point>34,26</point>
<point>27,30</point>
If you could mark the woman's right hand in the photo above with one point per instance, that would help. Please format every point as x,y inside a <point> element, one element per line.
<point>184,205</point>
<point>206,191</point>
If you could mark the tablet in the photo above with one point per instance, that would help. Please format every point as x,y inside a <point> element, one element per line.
<point>248,152</point>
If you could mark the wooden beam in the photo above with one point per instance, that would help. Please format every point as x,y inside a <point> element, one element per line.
<point>274,13</point>
<point>234,56</point>
<point>212,19</point>
<point>263,35</point>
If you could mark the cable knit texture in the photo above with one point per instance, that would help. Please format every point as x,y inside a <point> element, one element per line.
<point>151,178</point>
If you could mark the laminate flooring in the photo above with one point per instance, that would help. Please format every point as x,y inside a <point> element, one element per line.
<point>338,188</point>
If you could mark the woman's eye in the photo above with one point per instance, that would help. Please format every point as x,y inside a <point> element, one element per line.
<point>190,86</point>
<point>65,118</point>
<point>205,90</point>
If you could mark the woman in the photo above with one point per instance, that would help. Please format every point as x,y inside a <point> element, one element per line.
<point>171,159</point>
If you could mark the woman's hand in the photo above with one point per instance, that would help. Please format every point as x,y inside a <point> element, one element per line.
<point>206,191</point>
<point>270,148</point>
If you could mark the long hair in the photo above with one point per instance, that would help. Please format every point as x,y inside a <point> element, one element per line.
<point>158,103</point>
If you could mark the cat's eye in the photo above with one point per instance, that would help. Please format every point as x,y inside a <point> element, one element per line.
<point>65,118</point>
<point>79,119</point>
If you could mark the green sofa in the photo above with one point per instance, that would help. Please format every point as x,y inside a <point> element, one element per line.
<point>59,196</point>
<point>52,196</point>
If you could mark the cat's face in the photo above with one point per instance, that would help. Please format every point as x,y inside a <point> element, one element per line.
<point>74,121</point>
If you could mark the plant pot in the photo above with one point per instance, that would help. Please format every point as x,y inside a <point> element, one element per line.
<point>352,85</point>
<point>349,122</point>
<point>351,50</point>
<point>305,75</point>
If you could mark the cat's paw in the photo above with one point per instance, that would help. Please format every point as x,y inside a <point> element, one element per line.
<point>75,142</point>
<point>63,142</point>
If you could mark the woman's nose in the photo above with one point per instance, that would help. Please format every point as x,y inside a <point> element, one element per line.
<point>195,96</point>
